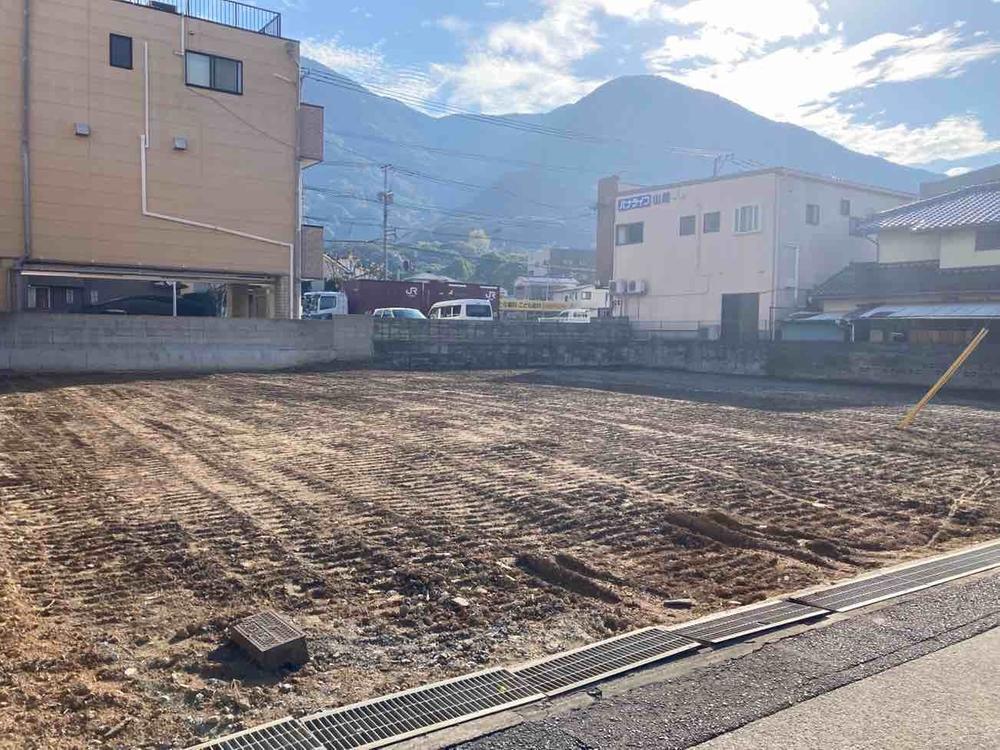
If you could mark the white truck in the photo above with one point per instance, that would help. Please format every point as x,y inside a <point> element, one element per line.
<point>323,305</point>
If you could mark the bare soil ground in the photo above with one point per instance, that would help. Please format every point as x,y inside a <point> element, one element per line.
<point>138,519</point>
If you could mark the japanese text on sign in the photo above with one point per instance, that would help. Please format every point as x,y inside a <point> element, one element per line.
<point>643,201</point>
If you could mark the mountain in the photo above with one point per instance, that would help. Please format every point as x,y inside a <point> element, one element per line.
<point>530,180</point>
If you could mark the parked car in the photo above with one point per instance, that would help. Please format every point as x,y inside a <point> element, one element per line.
<point>568,316</point>
<point>192,306</point>
<point>407,313</point>
<point>462,309</point>
<point>323,305</point>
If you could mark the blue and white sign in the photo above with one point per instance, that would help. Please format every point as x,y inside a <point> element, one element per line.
<point>643,201</point>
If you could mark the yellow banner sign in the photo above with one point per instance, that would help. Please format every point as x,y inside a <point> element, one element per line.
<point>532,305</point>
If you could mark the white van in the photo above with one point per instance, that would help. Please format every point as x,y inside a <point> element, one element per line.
<point>462,309</point>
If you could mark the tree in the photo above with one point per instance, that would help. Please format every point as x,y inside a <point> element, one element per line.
<point>479,241</point>
<point>494,268</point>
<point>461,269</point>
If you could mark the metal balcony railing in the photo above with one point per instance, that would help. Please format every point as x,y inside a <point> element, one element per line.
<point>226,12</point>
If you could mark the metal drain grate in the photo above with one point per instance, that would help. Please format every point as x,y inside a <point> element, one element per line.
<point>284,734</point>
<point>387,720</point>
<point>856,594</point>
<point>574,669</point>
<point>745,622</point>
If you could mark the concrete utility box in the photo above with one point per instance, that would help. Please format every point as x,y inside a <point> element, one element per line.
<point>312,252</point>
<point>271,640</point>
<point>311,134</point>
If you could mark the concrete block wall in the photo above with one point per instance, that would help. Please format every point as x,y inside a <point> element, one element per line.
<point>460,344</point>
<point>32,343</point>
<point>106,343</point>
<point>699,356</point>
<point>896,364</point>
<point>893,364</point>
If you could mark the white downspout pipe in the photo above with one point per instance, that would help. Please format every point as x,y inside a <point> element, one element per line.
<point>144,146</point>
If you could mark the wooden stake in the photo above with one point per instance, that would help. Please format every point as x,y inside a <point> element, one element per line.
<point>943,380</point>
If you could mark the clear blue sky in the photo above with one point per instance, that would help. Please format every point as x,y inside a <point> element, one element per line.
<point>916,81</point>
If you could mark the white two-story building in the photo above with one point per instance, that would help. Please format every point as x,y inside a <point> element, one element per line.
<point>730,256</point>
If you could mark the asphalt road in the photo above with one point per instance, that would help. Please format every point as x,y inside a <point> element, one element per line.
<point>716,699</point>
<point>945,699</point>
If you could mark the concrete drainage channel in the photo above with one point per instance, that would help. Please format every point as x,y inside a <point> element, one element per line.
<point>393,718</point>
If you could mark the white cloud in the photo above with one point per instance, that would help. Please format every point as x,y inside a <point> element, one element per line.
<point>721,31</point>
<point>797,71</point>
<point>527,66</point>
<point>367,66</point>
<point>783,18</point>
<point>350,61</point>
<point>497,84</point>
<point>454,24</point>
<point>949,139</point>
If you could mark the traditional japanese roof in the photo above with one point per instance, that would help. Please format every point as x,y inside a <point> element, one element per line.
<point>977,205</point>
<point>877,281</point>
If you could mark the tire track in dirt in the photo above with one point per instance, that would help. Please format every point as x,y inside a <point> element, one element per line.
<point>137,518</point>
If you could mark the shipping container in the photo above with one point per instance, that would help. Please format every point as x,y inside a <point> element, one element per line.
<point>366,295</point>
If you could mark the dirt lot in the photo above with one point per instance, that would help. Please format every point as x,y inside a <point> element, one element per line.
<point>139,518</point>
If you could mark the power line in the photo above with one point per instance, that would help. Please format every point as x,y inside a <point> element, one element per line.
<point>438,233</point>
<point>470,186</point>
<point>457,213</point>
<point>461,184</point>
<point>467,154</point>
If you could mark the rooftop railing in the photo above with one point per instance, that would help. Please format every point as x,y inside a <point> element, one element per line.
<point>226,12</point>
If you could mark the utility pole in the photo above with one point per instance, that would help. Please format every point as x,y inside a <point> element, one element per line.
<point>386,197</point>
<point>719,161</point>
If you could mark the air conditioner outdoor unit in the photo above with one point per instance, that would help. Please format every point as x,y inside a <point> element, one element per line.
<point>636,286</point>
<point>618,286</point>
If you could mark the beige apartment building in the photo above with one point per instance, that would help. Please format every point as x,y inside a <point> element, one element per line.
<point>142,141</point>
<point>730,256</point>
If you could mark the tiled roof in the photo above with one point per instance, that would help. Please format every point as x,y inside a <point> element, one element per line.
<point>948,311</point>
<point>878,281</point>
<point>971,206</point>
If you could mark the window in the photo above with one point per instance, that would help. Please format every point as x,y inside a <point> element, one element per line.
<point>478,311</point>
<point>327,303</point>
<point>987,239</point>
<point>216,73</point>
<point>586,295</point>
<point>845,207</point>
<point>39,298</point>
<point>628,234</point>
<point>689,225</point>
<point>120,51</point>
<point>812,214</point>
<point>70,296</point>
<point>747,219</point>
<point>409,314</point>
<point>94,296</point>
<point>711,222</point>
